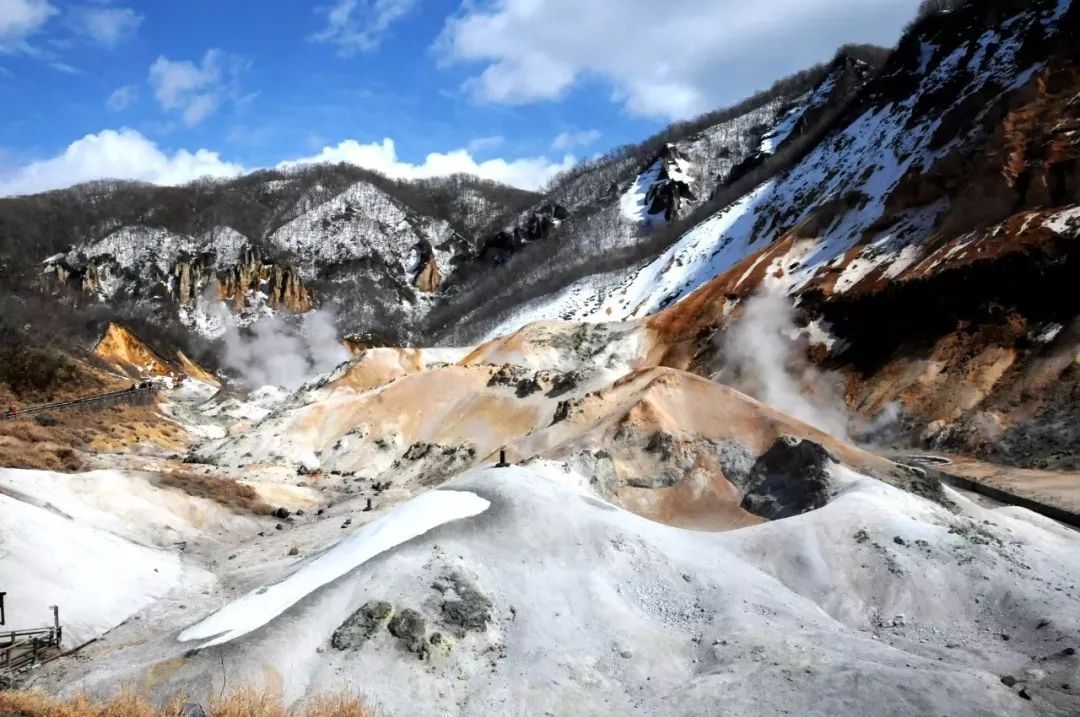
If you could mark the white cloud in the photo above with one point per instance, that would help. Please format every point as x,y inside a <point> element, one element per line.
<point>64,67</point>
<point>196,91</point>
<point>127,154</point>
<point>527,173</point>
<point>107,26</point>
<point>486,144</point>
<point>360,25</point>
<point>122,97</point>
<point>673,61</point>
<point>112,154</point>
<point>19,20</point>
<point>569,140</point>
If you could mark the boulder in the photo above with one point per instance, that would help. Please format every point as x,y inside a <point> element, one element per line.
<point>790,478</point>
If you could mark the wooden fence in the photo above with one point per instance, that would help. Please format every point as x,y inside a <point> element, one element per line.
<point>22,649</point>
<point>130,396</point>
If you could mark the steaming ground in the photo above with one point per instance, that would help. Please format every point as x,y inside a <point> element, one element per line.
<point>286,352</point>
<point>760,353</point>
<point>665,544</point>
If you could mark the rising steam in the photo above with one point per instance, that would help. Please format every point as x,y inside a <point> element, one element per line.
<point>762,356</point>
<point>283,352</point>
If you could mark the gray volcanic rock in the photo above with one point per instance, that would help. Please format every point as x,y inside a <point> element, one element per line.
<point>790,478</point>
<point>362,625</point>
<point>410,627</point>
<point>470,609</point>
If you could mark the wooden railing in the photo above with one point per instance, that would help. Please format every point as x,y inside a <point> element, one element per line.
<point>131,395</point>
<point>23,649</point>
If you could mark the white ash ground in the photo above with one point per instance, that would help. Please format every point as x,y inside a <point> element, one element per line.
<point>599,610</point>
<point>551,599</point>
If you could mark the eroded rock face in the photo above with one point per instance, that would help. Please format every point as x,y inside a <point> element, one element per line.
<point>1029,159</point>
<point>430,278</point>
<point>187,278</point>
<point>526,383</point>
<point>600,468</point>
<point>431,463</point>
<point>281,285</point>
<point>790,478</point>
<point>82,279</point>
<point>251,280</point>
<point>674,459</point>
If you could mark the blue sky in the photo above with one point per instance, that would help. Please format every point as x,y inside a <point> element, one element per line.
<point>510,89</point>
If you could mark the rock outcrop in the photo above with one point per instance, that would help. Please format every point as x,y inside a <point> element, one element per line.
<point>428,275</point>
<point>122,349</point>
<point>362,625</point>
<point>671,190</point>
<point>537,224</point>
<point>280,286</point>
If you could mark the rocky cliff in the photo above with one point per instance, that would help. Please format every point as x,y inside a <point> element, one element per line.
<point>910,202</point>
<point>927,237</point>
<point>373,249</point>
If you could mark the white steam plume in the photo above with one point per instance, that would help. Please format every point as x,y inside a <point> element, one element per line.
<point>763,357</point>
<point>279,352</point>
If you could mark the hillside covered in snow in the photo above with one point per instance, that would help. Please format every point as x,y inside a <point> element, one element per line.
<point>652,541</point>
<point>776,412</point>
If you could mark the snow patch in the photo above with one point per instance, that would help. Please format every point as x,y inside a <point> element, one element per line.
<point>257,608</point>
<point>96,577</point>
<point>1065,222</point>
<point>1046,333</point>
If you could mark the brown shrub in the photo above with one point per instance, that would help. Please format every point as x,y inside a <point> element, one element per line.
<point>27,444</point>
<point>32,375</point>
<point>31,371</point>
<point>25,430</point>
<point>42,456</point>
<point>246,701</point>
<point>242,702</point>
<point>236,496</point>
<point>343,705</point>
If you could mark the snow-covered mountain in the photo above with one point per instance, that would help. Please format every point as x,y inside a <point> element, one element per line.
<point>373,248</point>
<point>861,201</point>
<point>911,172</point>
<point>629,206</point>
<point>778,411</point>
<point>394,259</point>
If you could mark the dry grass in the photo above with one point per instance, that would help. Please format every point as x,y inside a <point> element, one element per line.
<point>236,496</point>
<point>343,705</point>
<point>54,441</point>
<point>242,702</point>
<point>25,444</point>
